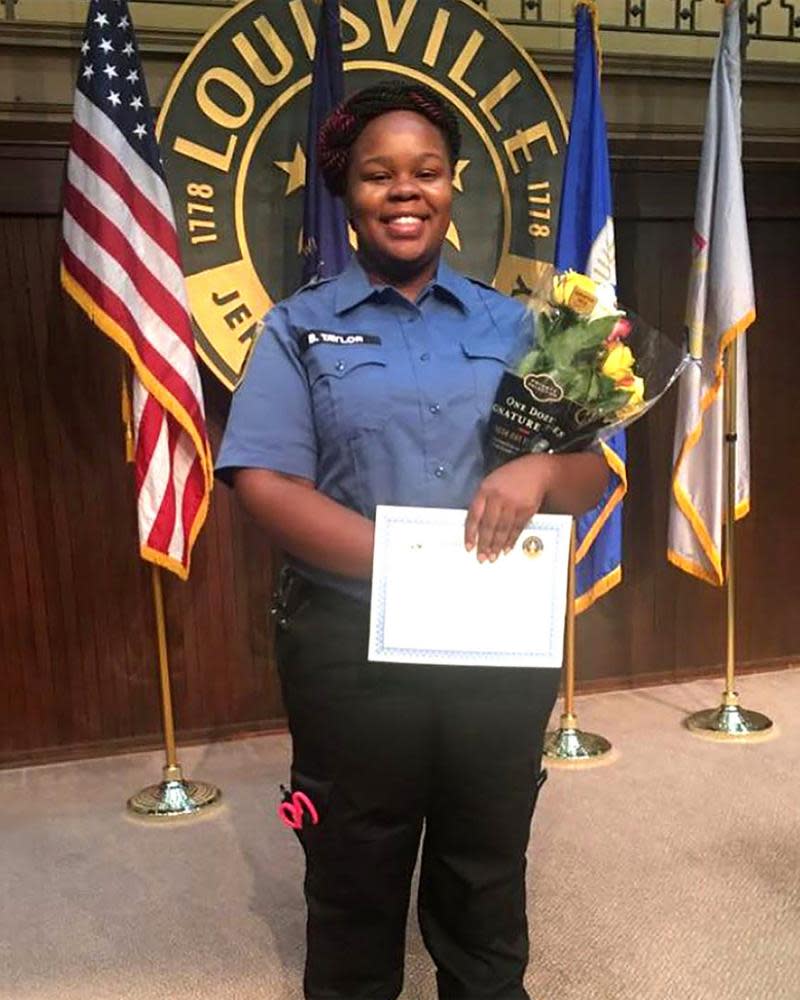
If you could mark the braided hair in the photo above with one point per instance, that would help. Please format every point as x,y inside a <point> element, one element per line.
<point>347,121</point>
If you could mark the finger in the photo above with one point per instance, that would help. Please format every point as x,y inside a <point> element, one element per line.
<point>524,515</point>
<point>487,527</point>
<point>474,515</point>
<point>516,531</point>
<point>503,530</point>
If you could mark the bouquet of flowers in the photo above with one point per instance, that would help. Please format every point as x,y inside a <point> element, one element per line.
<point>594,368</point>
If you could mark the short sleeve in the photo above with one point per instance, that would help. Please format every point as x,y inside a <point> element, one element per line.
<point>271,422</point>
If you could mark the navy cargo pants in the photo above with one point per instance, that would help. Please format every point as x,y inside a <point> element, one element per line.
<point>387,752</point>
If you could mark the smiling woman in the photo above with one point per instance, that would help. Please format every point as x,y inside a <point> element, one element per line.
<point>371,388</point>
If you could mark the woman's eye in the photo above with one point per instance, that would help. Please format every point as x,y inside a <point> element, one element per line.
<point>377,177</point>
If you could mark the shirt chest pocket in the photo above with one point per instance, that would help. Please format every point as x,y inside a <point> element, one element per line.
<point>349,388</point>
<point>487,357</point>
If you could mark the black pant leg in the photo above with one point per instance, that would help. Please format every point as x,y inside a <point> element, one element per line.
<point>472,886</point>
<point>361,736</point>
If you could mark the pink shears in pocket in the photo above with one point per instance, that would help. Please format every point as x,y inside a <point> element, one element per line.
<point>291,810</point>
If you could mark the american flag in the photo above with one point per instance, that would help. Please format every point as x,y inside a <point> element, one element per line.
<point>120,262</point>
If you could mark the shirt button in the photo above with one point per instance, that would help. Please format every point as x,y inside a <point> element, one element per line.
<point>440,472</point>
<point>434,408</point>
<point>425,356</point>
<point>340,366</point>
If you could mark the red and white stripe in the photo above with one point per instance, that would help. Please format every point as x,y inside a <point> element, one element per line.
<point>120,248</point>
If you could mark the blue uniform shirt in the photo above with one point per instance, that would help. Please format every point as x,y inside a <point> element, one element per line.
<point>376,399</point>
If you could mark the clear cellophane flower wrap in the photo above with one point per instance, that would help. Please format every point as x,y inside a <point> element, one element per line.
<point>592,368</point>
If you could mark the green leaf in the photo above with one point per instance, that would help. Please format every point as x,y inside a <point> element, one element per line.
<point>534,361</point>
<point>570,344</point>
<point>603,326</point>
<point>613,403</point>
<point>575,382</point>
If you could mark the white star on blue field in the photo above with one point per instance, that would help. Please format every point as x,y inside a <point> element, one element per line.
<point>110,76</point>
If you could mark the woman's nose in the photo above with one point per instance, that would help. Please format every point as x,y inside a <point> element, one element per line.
<point>404,188</point>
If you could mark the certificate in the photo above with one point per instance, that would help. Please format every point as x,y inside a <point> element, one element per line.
<point>433,602</point>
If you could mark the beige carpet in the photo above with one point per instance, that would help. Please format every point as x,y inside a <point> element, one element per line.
<point>673,872</point>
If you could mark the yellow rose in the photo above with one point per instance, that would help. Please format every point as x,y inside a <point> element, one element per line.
<point>619,363</point>
<point>636,390</point>
<point>577,291</point>
<point>635,386</point>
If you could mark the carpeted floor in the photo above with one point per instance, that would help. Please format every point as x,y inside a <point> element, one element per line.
<point>673,873</point>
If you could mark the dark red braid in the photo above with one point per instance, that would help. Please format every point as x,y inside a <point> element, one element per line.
<point>346,122</point>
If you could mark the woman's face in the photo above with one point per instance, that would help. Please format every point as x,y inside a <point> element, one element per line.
<point>399,193</point>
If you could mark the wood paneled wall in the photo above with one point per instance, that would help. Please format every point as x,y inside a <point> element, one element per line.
<point>77,662</point>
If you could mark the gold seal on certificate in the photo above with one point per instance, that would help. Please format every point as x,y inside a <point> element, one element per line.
<point>433,602</point>
<point>532,546</point>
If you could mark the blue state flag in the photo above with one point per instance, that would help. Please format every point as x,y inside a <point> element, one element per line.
<point>585,242</point>
<point>326,249</point>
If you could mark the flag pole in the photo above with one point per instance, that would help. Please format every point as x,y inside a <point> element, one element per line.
<point>174,796</point>
<point>163,672</point>
<point>730,721</point>
<point>568,744</point>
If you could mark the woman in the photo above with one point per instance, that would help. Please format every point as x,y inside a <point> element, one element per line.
<point>374,387</point>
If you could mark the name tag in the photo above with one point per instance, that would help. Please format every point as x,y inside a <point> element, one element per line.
<point>313,337</point>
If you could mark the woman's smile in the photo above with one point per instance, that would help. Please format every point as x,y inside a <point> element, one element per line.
<point>404,227</point>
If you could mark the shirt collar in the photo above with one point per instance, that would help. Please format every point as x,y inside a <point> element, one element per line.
<point>353,287</point>
<point>456,286</point>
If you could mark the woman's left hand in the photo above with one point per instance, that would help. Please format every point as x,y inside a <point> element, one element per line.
<point>506,500</point>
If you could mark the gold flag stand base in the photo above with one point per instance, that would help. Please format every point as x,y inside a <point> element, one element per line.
<point>730,722</point>
<point>570,745</point>
<point>174,796</point>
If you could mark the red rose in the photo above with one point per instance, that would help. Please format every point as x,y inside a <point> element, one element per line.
<point>621,330</point>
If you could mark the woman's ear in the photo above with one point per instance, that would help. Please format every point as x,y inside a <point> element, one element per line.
<point>349,214</point>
